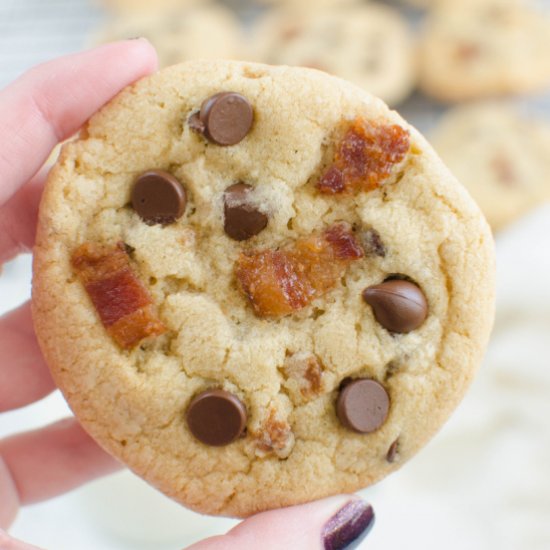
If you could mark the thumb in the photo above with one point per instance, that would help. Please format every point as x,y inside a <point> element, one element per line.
<point>331,524</point>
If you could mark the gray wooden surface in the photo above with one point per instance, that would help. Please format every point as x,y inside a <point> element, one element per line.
<point>32,31</point>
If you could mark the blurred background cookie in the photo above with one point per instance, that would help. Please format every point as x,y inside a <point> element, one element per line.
<point>473,49</point>
<point>140,6</point>
<point>307,4</point>
<point>418,3</point>
<point>205,32</point>
<point>500,155</point>
<point>369,45</point>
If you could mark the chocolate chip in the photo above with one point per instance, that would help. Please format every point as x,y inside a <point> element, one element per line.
<point>399,305</point>
<point>372,243</point>
<point>363,405</point>
<point>216,417</point>
<point>242,220</point>
<point>393,452</point>
<point>345,382</point>
<point>227,118</point>
<point>158,197</point>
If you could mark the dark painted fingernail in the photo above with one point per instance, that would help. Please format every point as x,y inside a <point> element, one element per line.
<point>349,526</point>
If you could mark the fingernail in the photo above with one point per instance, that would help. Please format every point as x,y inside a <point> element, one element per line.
<point>349,526</point>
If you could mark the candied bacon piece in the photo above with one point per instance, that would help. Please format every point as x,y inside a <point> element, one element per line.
<point>313,376</point>
<point>122,302</point>
<point>364,157</point>
<point>272,284</point>
<point>280,282</point>
<point>275,435</point>
<point>117,296</point>
<point>332,181</point>
<point>307,371</point>
<point>343,243</point>
<point>131,329</point>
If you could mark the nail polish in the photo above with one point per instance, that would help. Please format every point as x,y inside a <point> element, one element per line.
<point>349,526</point>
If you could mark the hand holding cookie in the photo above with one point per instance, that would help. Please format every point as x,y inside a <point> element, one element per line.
<point>44,107</point>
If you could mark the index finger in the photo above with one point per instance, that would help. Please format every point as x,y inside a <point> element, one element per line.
<point>50,102</point>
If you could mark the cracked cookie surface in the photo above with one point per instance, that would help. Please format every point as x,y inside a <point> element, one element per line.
<point>263,327</point>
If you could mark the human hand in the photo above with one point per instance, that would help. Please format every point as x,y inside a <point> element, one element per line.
<point>44,107</point>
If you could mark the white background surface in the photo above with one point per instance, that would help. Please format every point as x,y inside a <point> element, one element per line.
<point>483,483</point>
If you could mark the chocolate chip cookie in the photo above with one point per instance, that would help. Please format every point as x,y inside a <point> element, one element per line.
<point>418,3</point>
<point>309,5</point>
<point>129,7</point>
<point>258,286</point>
<point>369,45</point>
<point>501,155</point>
<point>475,49</point>
<point>193,32</point>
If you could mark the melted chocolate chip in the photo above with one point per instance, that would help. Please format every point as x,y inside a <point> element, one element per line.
<point>242,220</point>
<point>158,197</point>
<point>226,118</point>
<point>216,417</point>
<point>363,405</point>
<point>399,306</point>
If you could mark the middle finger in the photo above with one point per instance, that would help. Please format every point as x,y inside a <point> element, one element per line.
<point>18,218</point>
<point>24,376</point>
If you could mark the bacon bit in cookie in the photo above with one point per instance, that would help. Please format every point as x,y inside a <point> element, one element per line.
<point>468,52</point>
<point>307,371</point>
<point>274,436</point>
<point>313,376</point>
<point>122,302</point>
<point>504,170</point>
<point>280,282</point>
<point>343,243</point>
<point>364,157</point>
<point>291,31</point>
<point>332,181</point>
